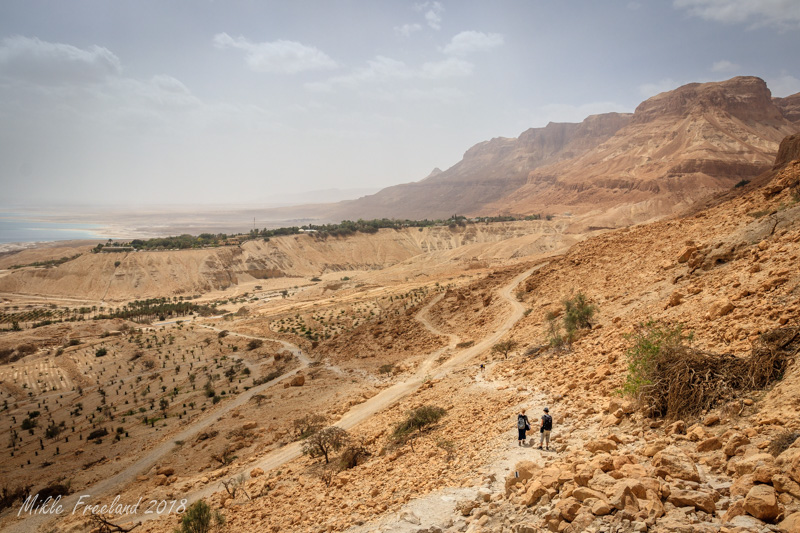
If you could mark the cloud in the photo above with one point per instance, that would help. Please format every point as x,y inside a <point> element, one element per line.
<point>407,29</point>
<point>783,14</point>
<point>724,66</point>
<point>385,69</point>
<point>46,63</point>
<point>472,41</point>
<point>651,89</point>
<point>433,13</point>
<point>784,85</point>
<point>285,57</point>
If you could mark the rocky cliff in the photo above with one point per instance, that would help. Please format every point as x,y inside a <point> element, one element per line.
<point>678,147</point>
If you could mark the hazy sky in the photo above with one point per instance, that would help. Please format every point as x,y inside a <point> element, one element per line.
<point>193,101</point>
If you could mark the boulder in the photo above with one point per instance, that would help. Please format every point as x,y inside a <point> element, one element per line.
<point>533,494</point>
<point>709,445</point>
<point>692,498</point>
<point>568,508</point>
<point>748,465</point>
<point>584,493</point>
<point>791,524</point>
<point>523,471</point>
<point>672,461</point>
<point>601,508</point>
<point>742,486</point>
<point>298,381</point>
<point>256,472</point>
<point>762,503</point>
<point>784,483</point>
<point>166,470</point>
<point>624,499</point>
<point>719,309</point>
<point>600,445</point>
<point>735,442</point>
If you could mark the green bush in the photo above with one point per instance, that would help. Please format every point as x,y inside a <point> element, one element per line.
<point>648,341</point>
<point>200,518</point>
<point>417,420</point>
<point>100,352</point>
<point>577,313</point>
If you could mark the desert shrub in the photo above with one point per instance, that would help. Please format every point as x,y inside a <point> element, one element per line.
<point>315,279</point>
<point>308,424</point>
<point>555,331</point>
<point>100,352</point>
<point>741,183</point>
<point>354,455</point>
<point>504,347</point>
<point>326,441</point>
<point>577,313</point>
<point>254,343</point>
<point>223,333</point>
<point>26,349</point>
<point>200,518</point>
<point>9,496</point>
<point>670,379</point>
<point>418,419</point>
<point>386,369</point>
<point>97,433</point>
<point>5,355</point>
<point>465,344</point>
<point>29,423</point>
<point>781,443</point>
<point>53,491</point>
<point>225,457</point>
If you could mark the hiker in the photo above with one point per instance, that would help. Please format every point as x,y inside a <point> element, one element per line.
<point>544,430</point>
<point>482,367</point>
<point>522,426</point>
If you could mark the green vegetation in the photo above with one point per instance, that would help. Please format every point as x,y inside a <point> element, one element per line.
<point>48,264</point>
<point>578,313</point>
<point>200,518</point>
<point>156,308</point>
<point>648,342</point>
<point>417,420</point>
<point>741,183</point>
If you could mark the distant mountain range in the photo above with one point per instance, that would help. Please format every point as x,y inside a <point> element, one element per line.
<point>676,148</point>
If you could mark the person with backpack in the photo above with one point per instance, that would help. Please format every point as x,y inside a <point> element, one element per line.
<point>546,427</point>
<point>522,426</point>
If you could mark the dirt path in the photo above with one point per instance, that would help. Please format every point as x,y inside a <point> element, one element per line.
<point>387,397</point>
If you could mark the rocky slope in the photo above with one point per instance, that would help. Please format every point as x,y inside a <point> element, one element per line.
<point>728,274</point>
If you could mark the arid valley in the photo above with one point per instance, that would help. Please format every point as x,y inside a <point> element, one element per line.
<point>636,274</point>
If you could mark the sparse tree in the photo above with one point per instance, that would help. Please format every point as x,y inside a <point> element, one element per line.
<point>504,347</point>
<point>326,441</point>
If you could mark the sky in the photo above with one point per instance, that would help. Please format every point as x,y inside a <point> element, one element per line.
<point>200,102</point>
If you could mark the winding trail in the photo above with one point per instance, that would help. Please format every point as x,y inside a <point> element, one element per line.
<point>277,458</point>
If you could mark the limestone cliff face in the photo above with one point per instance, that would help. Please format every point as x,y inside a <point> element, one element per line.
<point>678,147</point>
<point>790,107</point>
<point>488,171</point>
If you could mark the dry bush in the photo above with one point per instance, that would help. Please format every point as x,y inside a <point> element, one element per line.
<point>782,442</point>
<point>675,381</point>
<point>308,424</point>
<point>9,496</point>
<point>354,455</point>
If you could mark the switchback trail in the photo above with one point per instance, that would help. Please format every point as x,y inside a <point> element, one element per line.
<point>277,458</point>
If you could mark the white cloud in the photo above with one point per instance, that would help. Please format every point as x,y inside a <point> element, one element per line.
<point>407,29</point>
<point>783,85</point>
<point>472,41</point>
<point>724,66</point>
<point>782,14</point>
<point>450,67</point>
<point>47,63</point>
<point>651,89</point>
<point>433,13</point>
<point>385,69</point>
<point>288,57</point>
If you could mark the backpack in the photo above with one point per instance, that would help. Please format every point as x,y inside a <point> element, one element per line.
<point>547,422</point>
<point>521,422</point>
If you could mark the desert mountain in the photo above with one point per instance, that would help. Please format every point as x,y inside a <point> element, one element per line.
<point>676,147</point>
